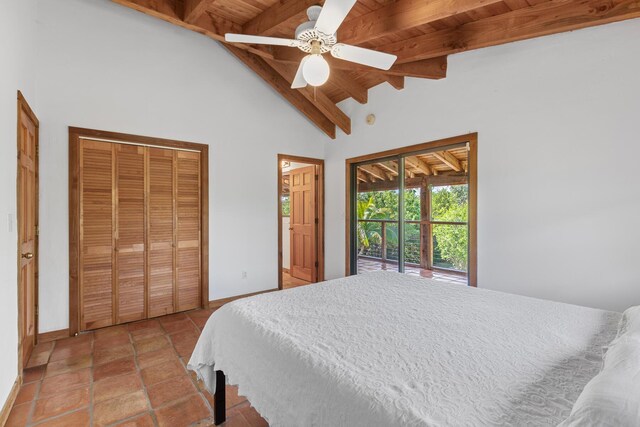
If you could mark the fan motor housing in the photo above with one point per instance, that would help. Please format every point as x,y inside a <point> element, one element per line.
<point>307,33</point>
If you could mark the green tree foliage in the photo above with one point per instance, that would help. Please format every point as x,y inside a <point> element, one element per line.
<point>449,203</point>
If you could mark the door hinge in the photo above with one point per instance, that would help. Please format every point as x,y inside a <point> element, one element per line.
<point>37,230</point>
<point>316,220</point>
<point>317,265</point>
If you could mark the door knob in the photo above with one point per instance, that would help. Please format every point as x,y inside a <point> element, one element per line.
<point>28,255</point>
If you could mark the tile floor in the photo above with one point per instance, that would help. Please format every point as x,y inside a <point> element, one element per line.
<point>127,375</point>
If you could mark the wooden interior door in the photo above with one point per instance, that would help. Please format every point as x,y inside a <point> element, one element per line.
<point>27,227</point>
<point>303,220</point>
<point>187,230</point>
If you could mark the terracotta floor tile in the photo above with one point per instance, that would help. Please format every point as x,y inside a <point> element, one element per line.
<point>32,374</point>
<point>111,357</point>
<point>111,331</point>
<point>116,386</point>
<point>168,391</point>
<point>27,393</point>
<point>125,406</point>
<point>144,420</point>
<point>65,382</point>
<point>184,343</point>
<point>71,350</point>
<point>68,365</point>
<point>253,417</point>
<point>18,415</point>
<point>111,341</point>
<point>183,413</point>
<point>75,341</point>
<point>151,344</point>
<point>183,325</point>
<point>74,419</point>
<point>155,357</point>
<point>162,372</point>
<point>60,403</point>
<point>38,359</point>
<point>117,367</point>
<point>237,420</point>
<point>110,354</point>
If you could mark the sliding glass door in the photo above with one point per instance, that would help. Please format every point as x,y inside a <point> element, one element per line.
<point>409,213</point>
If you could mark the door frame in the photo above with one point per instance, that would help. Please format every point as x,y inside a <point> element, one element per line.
<point>75,134</point>
<point>24,108</point>
<point>472,139</point>
<point>319,163</point>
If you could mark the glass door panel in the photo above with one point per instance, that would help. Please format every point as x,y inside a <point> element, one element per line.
<point>376,206</point>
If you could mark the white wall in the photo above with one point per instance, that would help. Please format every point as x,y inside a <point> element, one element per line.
<point>17,42</point>
<point>107,67</point>
<point>559,194</point>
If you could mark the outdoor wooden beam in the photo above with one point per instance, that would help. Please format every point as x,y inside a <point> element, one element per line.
<point>449,178</point>
<point>555,16</point>
<point>433,68</point>
<point>419,164</point>
<point>267,22</point>
<point>391,167</point>
<point>342,80</point>
<point>448,159</point>
<point>362,176</point>
<point>374,172</point>
<point>275,80</point>
<point>194,10</point>
<point>403,15</point>
<point>316,97</point>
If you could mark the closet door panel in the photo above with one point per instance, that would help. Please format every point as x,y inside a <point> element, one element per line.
<point>188,230</point>
<point>96,234</point>
<point>161,231</point>
<point>130,253</point>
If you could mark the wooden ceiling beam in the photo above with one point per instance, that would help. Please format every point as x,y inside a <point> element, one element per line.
<point>316,97</point>
<point>554,16</point>
<point>363,176</point>
<point>403,15</point>
<point>396,81</point>
<point>448,159</point>
<point>194,10</point>
<point>267,23</point>
<point>275,80</point>
<point>390,167</point>
<point>356,91</point>
<point>432,68</point>
<point>209,25</point>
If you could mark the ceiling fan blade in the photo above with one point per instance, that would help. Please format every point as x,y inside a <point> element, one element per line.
<point>299,81</point>
<point>245,38</point>
<point>332,14</point>
<point>369,57</point>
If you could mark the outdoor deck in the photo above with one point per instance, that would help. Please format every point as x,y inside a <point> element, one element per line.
<point>368,264</point>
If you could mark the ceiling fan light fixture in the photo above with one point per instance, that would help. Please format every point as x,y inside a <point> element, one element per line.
<point>315,70</point>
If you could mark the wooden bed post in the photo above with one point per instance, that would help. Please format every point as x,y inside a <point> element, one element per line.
<point>219,404</point>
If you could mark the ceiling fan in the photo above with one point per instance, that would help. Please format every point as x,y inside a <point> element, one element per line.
<point>318,36</point>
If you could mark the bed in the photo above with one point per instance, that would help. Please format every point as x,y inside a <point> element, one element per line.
<point>388,349</point>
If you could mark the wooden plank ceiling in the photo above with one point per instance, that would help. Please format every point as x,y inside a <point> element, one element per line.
<point>422,33</point>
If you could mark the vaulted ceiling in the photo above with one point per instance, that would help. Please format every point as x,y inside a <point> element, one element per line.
<point>422,33</point>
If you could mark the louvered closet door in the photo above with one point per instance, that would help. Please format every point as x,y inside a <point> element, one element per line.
<point>130,229</point>
<point>96,234</point>
<point>188,230</point>
<point>161,231</point>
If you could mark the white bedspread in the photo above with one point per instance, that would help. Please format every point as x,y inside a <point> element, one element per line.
<point>386,349</point>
